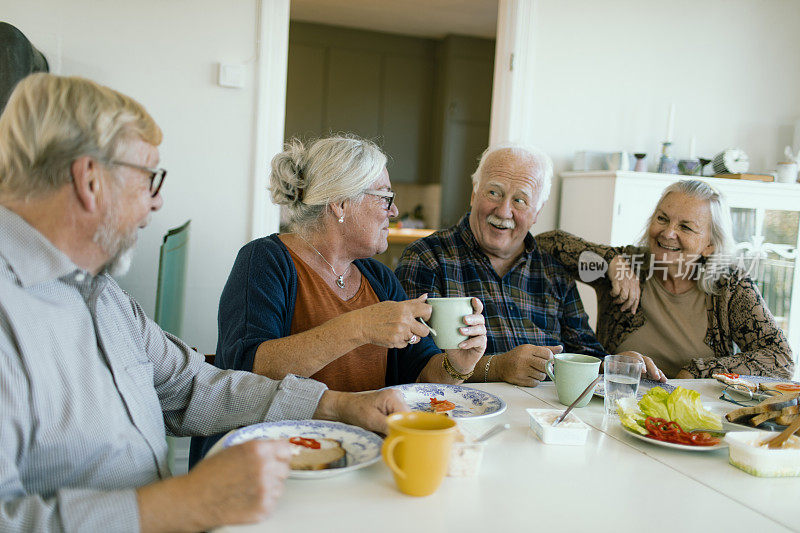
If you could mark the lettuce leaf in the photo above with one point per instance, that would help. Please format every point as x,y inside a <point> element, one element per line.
<point>654,403</point>
<point>681,405</point>
<point>686,409</point>
<point>631,416</point>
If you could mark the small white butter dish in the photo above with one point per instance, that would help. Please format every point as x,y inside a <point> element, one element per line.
<point>572,431</point>
<point>466,458</point>
<point>747,453</point>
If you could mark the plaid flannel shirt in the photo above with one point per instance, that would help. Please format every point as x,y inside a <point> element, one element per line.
<point>536,302</point>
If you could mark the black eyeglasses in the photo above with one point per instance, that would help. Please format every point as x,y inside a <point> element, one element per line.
<point>157,175</point>
<point>387,195</point>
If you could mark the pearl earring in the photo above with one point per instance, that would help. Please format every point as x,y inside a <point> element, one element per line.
<point>341,219</point>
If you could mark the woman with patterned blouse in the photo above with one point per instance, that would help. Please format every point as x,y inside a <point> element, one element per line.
<point>696,306</point>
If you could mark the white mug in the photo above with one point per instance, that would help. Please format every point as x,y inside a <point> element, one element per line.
<point>618,161</point>
<point>787,172</point>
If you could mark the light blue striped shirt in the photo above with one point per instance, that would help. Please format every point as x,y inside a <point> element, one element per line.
<point>89,386</point>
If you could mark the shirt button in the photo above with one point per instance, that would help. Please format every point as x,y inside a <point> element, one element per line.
<point>79,277</point>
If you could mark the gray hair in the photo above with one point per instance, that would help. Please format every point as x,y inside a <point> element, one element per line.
<point>308,179</point>
<point>52,120</point>
<point>717,265</point>
<point>544,167</point>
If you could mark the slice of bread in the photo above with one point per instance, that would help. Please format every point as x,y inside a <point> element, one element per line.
<point>788,415</point>
<point>330,454</point>
<point>774,403</point>
<point>784,387</point>
<point>763,417</point>
<point>734,380</point>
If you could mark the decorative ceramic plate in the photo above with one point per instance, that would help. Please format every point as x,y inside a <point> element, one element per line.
<point>685,447</point>
<point>470,403</point>
<point>644,386</point>
<point>363,448</point>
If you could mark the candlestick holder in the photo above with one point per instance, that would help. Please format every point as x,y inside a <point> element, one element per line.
<point>667,165</point>
<point>703,163</point>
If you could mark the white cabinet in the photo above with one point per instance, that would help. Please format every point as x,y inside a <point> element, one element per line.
<point>613,208</point>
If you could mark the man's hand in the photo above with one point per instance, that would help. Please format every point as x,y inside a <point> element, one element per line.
<point>365,409</point>
<point>524,365</point>
<point>238,485</point>
<point>471,350</point>
<point>649,369</point>
<point>625,287</point>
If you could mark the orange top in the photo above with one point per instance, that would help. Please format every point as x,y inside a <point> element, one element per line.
<point>361,369</point>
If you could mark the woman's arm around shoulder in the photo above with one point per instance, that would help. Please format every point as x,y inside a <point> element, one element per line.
<point>587,261</point>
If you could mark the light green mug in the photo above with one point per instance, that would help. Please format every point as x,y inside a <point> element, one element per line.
<point>447,318</point>
<point>572,373</point>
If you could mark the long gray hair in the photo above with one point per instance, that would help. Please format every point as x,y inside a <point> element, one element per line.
<point>719,262</point>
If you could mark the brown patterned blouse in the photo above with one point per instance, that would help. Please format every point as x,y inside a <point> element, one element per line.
<point>737,314</point>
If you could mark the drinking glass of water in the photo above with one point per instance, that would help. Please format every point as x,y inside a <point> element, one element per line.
<point>621,374</point>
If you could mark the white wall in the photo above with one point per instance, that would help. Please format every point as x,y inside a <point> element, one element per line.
<point>164,54</point>
<point>606,72</point>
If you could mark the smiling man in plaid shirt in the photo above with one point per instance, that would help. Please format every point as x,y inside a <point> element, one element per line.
<point>532,306</point>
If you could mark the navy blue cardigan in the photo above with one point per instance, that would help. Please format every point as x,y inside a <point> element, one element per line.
<point>257,305</point>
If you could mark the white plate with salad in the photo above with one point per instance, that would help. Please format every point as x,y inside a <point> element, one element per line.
<point>667,419</point>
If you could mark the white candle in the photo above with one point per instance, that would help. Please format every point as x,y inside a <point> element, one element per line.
<point>692,146</point>
<point>670,122</point>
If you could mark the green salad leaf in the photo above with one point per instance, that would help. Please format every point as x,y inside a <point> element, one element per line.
<point>631,416</point>
<point>686,409</point>
<point>681,405</point>
<point>654,403</point>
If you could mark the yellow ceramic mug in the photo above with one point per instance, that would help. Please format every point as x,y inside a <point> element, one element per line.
<point>418,450</point>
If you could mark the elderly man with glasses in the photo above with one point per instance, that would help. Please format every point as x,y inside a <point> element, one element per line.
<point>89,386</point>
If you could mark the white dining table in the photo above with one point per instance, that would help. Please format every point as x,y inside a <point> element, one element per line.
<point>612,483</point>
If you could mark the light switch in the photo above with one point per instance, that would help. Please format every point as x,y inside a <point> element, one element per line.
<point>231,75</point>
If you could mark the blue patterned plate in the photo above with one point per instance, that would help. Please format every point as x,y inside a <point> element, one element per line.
<point>363,447</point>
<point>644,386</point>
<point>470,403</point>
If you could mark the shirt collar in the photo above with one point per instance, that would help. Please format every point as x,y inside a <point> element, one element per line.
<point>472,242</point>
<point>32,258</point>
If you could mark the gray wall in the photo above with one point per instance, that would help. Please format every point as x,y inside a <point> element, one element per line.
<point>426,102</point>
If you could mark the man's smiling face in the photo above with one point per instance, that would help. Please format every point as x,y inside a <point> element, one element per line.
<point>505,203</point>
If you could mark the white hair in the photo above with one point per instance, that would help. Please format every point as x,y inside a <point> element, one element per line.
<point>50,121</point>
<point>307,179</point>
<point>718,263</point>
<point>543,173</point>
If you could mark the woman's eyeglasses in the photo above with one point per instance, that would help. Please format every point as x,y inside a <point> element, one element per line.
<point>387,195</point>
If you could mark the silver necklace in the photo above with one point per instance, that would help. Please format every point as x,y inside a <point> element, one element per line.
<point>339,278</point>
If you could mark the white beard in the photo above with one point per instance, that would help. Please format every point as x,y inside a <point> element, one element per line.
<point>118,246</point>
